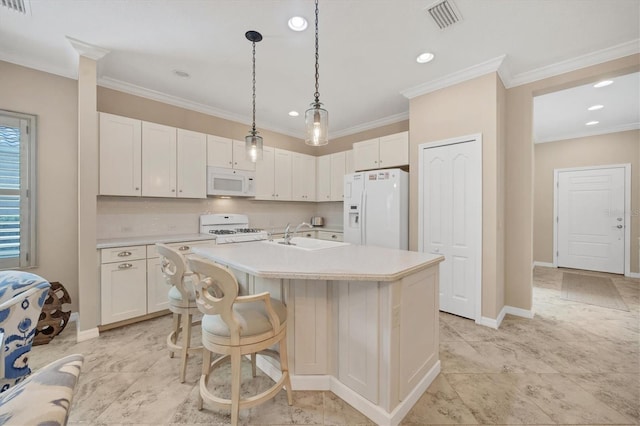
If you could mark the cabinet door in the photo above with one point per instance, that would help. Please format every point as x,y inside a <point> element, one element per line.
<point>282,174</point>
<point>219,152</point>
<point>303,177</point>
<point>123,288</point>
<point>323,181</point>
<point>365,155</point>
<point>265,175</point>
<point>158,160</point>
<point>337,176</point>
<point>349,166</point>
<point>240,160</point>
<point>192,164</point>
<point>157,288</point>
<point>310,334</point>
<point>358,337</point>
<point>120,155</point>
<point>394,150</point>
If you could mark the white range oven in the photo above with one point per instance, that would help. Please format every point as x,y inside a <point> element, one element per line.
<point>230,228</point>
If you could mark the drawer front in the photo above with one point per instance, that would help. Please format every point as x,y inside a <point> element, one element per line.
<point>122,254</point>
<point>182,247</point>
<point>331,236</point>
<point>309,234</point>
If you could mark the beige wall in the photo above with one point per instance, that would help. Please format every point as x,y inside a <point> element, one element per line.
<point>519,170</point>
<point>614,148</point>
<point>466,108</point>
<point>54,100</point>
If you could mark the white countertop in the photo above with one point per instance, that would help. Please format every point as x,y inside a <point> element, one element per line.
<point>150,239</point>
<point>348,262</point>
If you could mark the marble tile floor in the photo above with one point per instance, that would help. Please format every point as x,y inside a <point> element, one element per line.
<point>572,364</point>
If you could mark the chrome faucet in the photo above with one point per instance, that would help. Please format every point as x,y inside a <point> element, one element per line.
<point>287,235</point>
<point>302,225</point>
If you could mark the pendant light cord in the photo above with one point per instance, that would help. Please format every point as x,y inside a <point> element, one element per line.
<point>317,94</point>
<point>253,128</point>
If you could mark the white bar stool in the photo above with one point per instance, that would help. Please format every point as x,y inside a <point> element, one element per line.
<point>234,326</point>
<point>182,302</point>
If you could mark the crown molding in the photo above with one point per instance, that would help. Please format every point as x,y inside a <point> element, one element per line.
<point>154,95</point>
<point>492,65</point>
<point>87,50</point>
<point>594,58</point>
<point>602,131</point>
<point>371,125</point>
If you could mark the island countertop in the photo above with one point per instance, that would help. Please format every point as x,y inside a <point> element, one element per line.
<point>343,263</point>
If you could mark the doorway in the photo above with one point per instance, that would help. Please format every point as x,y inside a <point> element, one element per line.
<point>450,219</point>
<point>590,227</point>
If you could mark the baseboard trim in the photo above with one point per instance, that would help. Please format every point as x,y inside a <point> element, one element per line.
<point>633,275</point>
<point>495,323</point>
<point>519,312</point>
<point>545,264</point>
<point>363,405</point>
<point>83,335</point>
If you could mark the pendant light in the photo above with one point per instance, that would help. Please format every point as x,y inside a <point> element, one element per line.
<point>317,118</point>
<point>253,142</point>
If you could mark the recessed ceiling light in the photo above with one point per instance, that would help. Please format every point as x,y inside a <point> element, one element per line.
<point>294,113</point>
<point>181,74</point>
<point>425,57</point>
<point>592,123</point>
<point>298,23</point>
<point>595,107</point>
<point>603,83</point>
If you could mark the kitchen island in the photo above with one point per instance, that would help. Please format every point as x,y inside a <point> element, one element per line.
<point>363,321</point>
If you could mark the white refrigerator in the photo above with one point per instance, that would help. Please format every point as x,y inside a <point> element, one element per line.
<point>376,208</point>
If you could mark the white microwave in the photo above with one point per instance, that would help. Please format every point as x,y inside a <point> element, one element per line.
<point>229,182</point>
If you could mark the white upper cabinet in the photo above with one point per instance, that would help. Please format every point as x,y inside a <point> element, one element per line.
<point>240,160</point>
<point>265,174</point>
<point>384,152</point>
<point>120,155</point>
<point>394,150</point>
<point>323,179</point>
<point>338,161</point>
<point>227,153</point>
<point>349,166</point>
<point>219,152</point>
<point>282,174</point>
<point>192,164</point>
<point>158,160</point>
<point>303,174</point>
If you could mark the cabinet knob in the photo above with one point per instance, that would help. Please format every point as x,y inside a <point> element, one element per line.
<point>125,266</point>
<point>137,189</point>
<point>375,162</point>
<point>334,237</point>
<point>173,190</point>
<point>184,248</point>
<point>124,254</point>
<point>230,162</point>
<point>235,162</point>
<point>181,190</point>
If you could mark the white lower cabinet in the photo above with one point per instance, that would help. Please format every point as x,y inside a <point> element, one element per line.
<point>123,290</point>
<point>329,236</point>
<point>310,309</point>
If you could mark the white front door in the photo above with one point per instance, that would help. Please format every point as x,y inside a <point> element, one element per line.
<point>590,219</point>
<point>451,221</point>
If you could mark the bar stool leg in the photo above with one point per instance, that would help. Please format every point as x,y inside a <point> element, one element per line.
<point>186,342</point>
<point>284,366</point>
<point>253,365</point>
<point>236,360</point>
<point>176,330</point>
<point>206,366</point>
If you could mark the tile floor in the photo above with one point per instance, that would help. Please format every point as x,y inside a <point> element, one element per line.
<point>572,364</point>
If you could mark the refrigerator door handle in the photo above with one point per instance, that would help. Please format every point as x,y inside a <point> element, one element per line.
<point>363,218</point>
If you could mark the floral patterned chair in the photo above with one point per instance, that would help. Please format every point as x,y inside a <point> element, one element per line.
<point>44,398</point>
<point>22,296</point>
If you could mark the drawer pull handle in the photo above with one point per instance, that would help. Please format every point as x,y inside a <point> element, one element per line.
<point>124,254</point>
<point>184,248</point>
<point>334,236</point>
<point>125,266</point>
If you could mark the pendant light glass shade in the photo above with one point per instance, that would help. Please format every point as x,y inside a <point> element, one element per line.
<point>253,142</point>
<point>253,145</point>
<point>317,125</point>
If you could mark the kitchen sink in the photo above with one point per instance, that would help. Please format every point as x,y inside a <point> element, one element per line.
<point>303,243</point>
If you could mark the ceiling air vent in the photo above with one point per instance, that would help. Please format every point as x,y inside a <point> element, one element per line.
<point>445,13</point>
<point>15,5</point>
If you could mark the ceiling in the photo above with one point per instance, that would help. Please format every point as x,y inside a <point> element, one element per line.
<point>367,50</point>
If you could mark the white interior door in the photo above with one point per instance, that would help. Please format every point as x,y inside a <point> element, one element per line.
<point>451,218</point>
<point>590,219</point>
